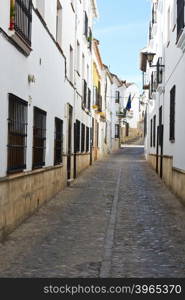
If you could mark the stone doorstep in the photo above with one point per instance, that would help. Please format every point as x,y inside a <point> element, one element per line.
<point>70,181</point>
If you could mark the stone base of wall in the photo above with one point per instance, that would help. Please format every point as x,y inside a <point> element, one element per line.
<point>82,162</point>
<point>174,178</point>
<point>22,194</point>
<point>115,145</point>
<point>133,133</point>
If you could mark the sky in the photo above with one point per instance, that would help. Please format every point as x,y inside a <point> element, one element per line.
<point>122,29</point>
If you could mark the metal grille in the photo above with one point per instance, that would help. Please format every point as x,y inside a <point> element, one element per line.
<point>180,17</point>
<point>117,96</point>
<point>89,99</point>
<point>116,131</point>
<point>85,24</point>
<point>172,114</point>
<point>151,133</point>
<point>159,71</point>
<point>154,130</point>
<point>87,139</point>
<point>58,141</point>
<point>17,134</point>
<point>39,138</point>
<point>23,19</point>
<point>77,136</point>
<point>83,138</point>
<point>84,99</point>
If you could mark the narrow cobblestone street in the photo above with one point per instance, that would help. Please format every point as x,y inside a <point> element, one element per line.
<point>116,220</point>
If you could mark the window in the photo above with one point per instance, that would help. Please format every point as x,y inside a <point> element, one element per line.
<point>58,141</point>
<point>89,99</point>
<point>116,131</point>
<point>77,136</point>
<point>180,17</point>
<point>145,124</point>
<point>17,134</point>
<point>84,98</point>
<point>85,25</point>
<point>160,126</point>
<point>154,13</point>
<point>172,113</point>
<point>150,31</point>
<point>78,58</point>
<point>71,65</point>
<point>159,72</point>
<point>154,130</point>
<point>151,133</point>
<point>87,139</point>
<point>83,138</point>
<point>127,129</point>
<point>90,39</point>
<point>39,137</point>
<point>117,96</point>
<point>21,21</point>
<point>59,23</point>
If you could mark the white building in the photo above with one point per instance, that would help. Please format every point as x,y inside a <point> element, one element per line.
<point>45,91</point>
<point>165,133</point>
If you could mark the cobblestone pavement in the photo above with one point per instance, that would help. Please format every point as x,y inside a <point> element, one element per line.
<point>117,220</point>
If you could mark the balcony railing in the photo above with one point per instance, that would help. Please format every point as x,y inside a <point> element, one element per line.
<point>23,19</point>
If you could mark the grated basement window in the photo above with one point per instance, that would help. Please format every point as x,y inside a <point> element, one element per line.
<point>89,99</point>
<point>87,139</point>
<point>39,138</point>
<point>82,138</point>
<point>58,141</point>
<point>17,134</point>
<point>77,136</point>
<point>23,19</point>
<point>172,113</point>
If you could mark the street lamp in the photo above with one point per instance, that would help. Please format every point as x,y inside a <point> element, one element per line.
<point>150,56</point>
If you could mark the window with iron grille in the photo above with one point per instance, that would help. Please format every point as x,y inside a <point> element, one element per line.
<point>89,99</point>
<point>58,141</point>
<point>151,133</point>
<point>90,39</point>
<point>159,71</point>
<point>84,98</point>
<point>154,13</point>
<point>150,31</point>
<point>117,96</point>
<point>116,131</point>
<point>86,25</point>
<point>23,19</point>
<point>145,124</point>
<point>172,114</point>
<point>39,137</point>
<point>87,139</point>
<point>97,134</point>
<point>154,130</point>
<point>180,17</point>
<point>127,129</point>
<point>160,125</point>
<point>77,136</point>
<point>17,134</point>
<point>82,137</point>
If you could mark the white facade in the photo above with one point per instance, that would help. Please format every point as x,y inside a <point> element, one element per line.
<point>167,42</point>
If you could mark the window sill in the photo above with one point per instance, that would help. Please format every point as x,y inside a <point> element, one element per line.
<point>21,43</point>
